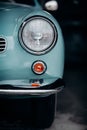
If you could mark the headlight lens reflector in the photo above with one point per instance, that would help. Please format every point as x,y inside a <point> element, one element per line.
<point>38,35</point>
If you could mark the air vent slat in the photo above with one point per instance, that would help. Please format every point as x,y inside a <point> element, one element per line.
<point>2,40</point>
<point>2,44</point>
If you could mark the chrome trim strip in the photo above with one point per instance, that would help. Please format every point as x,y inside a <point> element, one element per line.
<point>34,92</point>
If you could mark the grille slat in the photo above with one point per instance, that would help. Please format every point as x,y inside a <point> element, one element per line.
<point>1,48</point>
<point>2,44</point>
<point>2,40</point>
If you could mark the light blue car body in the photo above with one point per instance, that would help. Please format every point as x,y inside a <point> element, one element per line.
<point>15,61</point>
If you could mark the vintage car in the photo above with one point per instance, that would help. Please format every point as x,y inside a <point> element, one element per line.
<point>31,63</point>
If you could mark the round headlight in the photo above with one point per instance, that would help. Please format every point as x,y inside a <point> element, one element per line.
<point>37,35</point>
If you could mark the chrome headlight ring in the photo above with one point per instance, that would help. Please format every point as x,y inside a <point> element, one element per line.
<point>38,35</point>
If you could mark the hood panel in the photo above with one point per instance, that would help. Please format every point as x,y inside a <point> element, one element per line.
<point>11,15</point>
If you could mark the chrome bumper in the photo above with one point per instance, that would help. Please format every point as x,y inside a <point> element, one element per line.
<point>24,92</point>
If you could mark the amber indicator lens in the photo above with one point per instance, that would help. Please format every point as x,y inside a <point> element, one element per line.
<point>35,85</point>
<point>39,67</point>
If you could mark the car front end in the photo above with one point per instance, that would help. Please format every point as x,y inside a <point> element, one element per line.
<point>31,52</point>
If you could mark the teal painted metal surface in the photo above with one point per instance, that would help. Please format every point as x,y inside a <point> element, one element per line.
<point>37,4</point>
<point>15,62</point>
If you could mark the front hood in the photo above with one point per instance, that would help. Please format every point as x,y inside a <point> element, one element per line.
<point>8,5</point>
<point>11,15</point>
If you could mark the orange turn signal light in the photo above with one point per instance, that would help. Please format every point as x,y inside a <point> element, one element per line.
<point>35,85</point>
<point>39,67</point>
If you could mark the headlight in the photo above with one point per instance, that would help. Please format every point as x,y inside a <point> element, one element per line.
<point>37,35</point>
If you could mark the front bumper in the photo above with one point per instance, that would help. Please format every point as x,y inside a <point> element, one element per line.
<point>8,90</point>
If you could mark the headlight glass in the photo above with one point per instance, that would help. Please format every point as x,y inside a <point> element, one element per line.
<point>38,35</point>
